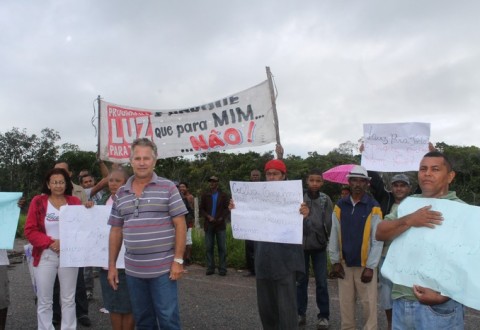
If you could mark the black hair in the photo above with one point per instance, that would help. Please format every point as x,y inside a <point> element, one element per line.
<point>438,154</point>
<point>66,177</point>
<point>315,171</point>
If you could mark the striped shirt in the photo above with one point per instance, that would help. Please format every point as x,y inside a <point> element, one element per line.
<point>148,230</point>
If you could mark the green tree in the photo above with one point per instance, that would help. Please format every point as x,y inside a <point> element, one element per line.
<point>78,160</point>
<point>25,158</point>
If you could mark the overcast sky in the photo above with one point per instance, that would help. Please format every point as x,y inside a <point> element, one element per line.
<point>337,64</point>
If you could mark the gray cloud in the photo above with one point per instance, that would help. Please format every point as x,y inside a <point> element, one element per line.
<point>336,64</point>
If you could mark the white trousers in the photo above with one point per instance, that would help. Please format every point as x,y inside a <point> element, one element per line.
<point>45,274</point>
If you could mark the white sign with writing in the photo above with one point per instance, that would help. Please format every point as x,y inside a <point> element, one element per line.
<point>84,237</point>
<point>394,147</point>
<point>445,258</point>
<point>267,211</point>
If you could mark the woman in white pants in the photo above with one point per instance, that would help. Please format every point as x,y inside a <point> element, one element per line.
<point>42,230</point>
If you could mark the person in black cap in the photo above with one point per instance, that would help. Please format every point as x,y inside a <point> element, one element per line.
<point>214,210</point>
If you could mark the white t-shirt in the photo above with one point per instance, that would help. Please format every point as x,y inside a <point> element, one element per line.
<point>52,226</point>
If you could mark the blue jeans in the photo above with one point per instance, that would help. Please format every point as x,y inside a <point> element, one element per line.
<point>220,236</point>
<point>154,302</point>
<point>319,263</point>
<point>409,314</point>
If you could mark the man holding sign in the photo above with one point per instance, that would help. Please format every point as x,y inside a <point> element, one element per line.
<point>276,267</point>
<point>419,307</point>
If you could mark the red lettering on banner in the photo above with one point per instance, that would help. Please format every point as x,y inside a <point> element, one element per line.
<point>199,143</point>
<point>124,126</point>
<point>232,136</point>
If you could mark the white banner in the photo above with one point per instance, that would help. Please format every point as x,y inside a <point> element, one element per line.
<point>244,119</point>
<point>84,237</point>
<point>395,147</point>
<point>267,211</point>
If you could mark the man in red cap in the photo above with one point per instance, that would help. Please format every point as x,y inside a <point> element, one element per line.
<point>276,267</point>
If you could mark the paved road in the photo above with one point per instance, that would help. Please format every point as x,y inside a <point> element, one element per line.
<point>206,302</point>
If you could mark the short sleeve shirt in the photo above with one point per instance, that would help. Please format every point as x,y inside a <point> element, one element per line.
<point>147,226</point>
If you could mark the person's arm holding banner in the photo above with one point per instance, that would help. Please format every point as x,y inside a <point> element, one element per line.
<point>279,151</point>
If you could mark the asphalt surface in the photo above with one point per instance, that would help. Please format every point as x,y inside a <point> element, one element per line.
<point>206,302</point>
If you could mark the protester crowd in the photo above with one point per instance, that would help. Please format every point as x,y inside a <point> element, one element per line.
<point>153,217</point>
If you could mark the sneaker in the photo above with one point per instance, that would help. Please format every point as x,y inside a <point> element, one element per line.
<point>323,324</point>
<point>302,320</point>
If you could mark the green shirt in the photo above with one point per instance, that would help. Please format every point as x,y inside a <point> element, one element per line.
<point>401,291</point>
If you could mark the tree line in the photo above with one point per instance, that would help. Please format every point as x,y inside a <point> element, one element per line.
<point>24,160</point>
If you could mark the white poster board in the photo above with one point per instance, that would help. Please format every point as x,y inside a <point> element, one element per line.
<point>9,216</point>
<point>394,147</point>
<point>84,237</point>
<point>267,211</point>
<point>445,259</point>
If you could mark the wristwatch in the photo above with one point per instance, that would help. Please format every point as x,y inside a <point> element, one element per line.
<point>178,261</point>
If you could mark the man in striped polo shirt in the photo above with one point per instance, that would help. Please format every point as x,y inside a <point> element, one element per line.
<point>148,216</point>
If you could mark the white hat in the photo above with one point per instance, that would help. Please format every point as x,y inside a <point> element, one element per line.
<point>358,172</point>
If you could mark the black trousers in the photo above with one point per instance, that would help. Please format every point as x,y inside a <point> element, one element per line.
<point>277,302</point>
<point>249,256</point>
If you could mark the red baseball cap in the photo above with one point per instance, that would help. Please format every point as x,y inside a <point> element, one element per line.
<point>276,164</point>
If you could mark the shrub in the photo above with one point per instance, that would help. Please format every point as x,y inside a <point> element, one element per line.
<point>21,225</point>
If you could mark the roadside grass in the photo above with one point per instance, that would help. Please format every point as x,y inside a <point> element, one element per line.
<point>235,249</point>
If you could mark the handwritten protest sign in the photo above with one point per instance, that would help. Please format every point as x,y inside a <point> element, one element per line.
<point>394,147</point>
<point>267,211</point>
<point>244,119</point>
<point>444,259</point>
<point>84,237</point>
<point>9,215</point>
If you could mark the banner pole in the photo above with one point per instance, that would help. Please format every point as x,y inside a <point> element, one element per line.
<point>99,126</point>
<point>274,105</point>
